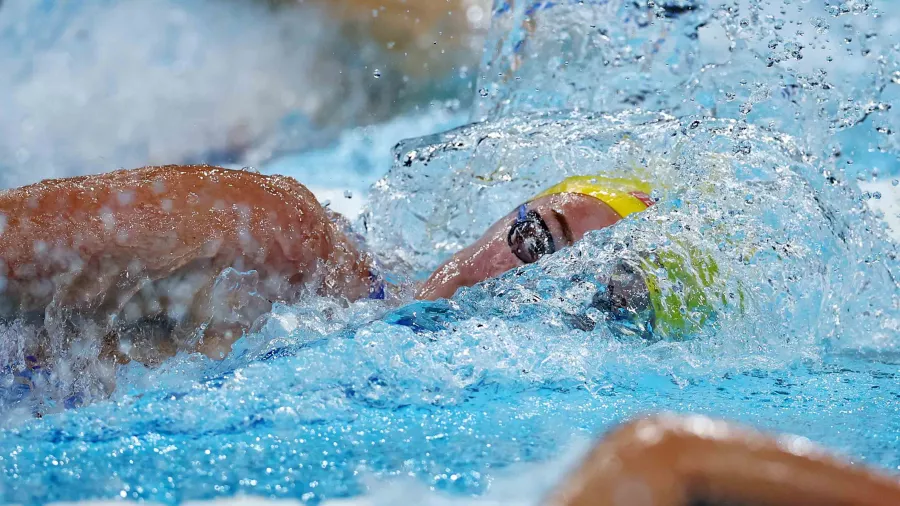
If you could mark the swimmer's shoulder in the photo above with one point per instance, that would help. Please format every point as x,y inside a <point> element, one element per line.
<point>148,184</point>
<point>155,176</point>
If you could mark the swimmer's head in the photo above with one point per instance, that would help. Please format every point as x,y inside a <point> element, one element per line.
<point>554,219</point>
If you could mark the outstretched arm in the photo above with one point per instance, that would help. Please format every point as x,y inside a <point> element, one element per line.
<point>692,461</point>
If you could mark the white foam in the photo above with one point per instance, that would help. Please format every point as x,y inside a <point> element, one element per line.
<point>94,86</point>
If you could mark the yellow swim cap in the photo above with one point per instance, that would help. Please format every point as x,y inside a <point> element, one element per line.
<point>625,195</point>
<point>689,303</point>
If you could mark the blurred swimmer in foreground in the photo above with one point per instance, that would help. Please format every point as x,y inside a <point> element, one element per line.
<point>692,461</point>
<point>185,258</point>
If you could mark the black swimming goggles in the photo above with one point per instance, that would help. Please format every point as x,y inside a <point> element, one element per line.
<point>529,237</point>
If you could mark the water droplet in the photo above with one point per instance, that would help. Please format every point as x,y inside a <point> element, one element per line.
<point>376,74</point>
<point>483,92</point>
<point>895,182</point>
<point>348,194</point>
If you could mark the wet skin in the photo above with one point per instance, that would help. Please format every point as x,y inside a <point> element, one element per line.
<point>139,254</point>
<point>138,249</point>
<point>568,217</point>
<point>667,460</point>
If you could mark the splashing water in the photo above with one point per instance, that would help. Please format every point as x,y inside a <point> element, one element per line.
<point>93,86</point>
<point>722,106</point>
<point>725,188</point>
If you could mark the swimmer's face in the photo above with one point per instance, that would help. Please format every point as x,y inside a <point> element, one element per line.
<point>538,228</point>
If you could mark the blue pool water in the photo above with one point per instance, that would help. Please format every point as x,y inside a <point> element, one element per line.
<point>490,394</point>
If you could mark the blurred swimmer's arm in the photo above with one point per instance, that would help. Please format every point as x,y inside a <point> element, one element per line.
<point>675,461</point>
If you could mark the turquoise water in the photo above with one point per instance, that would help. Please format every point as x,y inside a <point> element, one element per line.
<point>487,394</point>
<point>316,431</point>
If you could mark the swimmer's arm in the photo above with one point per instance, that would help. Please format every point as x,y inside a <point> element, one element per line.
<point>670,461</point>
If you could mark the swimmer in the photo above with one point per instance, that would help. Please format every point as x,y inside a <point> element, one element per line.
<point>691,461</point>
<point>150,258</point>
